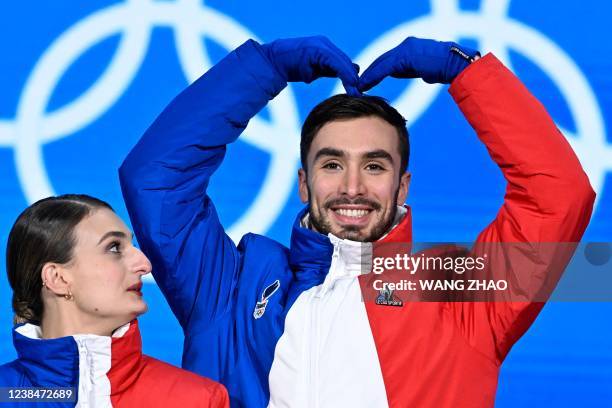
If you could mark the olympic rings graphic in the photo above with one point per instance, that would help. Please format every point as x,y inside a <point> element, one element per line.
<point>190,20</point>
<point>135,20</point>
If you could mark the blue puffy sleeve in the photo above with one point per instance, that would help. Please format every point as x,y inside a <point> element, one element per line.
<point>164,180</point>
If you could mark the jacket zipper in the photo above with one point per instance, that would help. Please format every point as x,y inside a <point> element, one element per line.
<point>316,333</point>
<point>314,351</point>
<point>83,389</point>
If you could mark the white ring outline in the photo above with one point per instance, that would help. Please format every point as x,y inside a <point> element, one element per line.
<point>186,16</point>
<point>135,19</point>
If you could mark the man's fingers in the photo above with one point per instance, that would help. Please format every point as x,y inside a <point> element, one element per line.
<point>349,75</point>
<point>382,67</point>
<point>330,61</point>
<point>334,50</point>
<point>344,69</point>
<point>352,90</point>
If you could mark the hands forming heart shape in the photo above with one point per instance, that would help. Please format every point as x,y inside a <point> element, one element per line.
<point>309,58</point>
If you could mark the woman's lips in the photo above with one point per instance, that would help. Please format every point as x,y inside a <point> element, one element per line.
<point>136,288</point>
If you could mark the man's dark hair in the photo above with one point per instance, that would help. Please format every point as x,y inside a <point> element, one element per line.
<point>43,232</point>
<point>341,107</point>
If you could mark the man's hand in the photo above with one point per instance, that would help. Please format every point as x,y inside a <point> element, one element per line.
<point>433,61</point>
<point>308,58</point>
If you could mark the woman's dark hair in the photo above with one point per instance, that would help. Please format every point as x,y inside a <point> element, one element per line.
<point>340,107</point>
<point>43,232</point>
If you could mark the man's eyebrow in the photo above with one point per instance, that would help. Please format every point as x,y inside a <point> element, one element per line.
<point>328,151</point>
<point>379,154</point>
<point>116,234</point>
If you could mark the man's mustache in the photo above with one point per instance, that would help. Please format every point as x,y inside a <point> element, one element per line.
<point>357,201</point>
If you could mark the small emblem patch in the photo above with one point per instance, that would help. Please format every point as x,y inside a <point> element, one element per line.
<point>260,307</point>
<point>387,298</point>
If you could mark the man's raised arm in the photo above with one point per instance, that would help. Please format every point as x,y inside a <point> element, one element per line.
<point>548,199</point>
<point>547,205</point>
<point>165,176</point>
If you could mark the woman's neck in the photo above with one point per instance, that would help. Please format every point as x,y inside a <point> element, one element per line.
<point>64,321</point>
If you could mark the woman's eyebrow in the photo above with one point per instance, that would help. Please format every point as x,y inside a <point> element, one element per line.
<point>116,234</point>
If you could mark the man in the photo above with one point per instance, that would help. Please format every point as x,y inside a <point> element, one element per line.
<point>288,327</point>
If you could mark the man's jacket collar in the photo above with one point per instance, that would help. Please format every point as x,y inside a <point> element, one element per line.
<point>311,252</point>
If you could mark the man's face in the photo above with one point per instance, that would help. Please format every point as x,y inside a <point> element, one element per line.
<point>353,184</point>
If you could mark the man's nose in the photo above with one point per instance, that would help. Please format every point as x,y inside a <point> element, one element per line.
<point>353,183</point>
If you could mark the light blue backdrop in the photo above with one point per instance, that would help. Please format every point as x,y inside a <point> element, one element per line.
<point>81,81</point>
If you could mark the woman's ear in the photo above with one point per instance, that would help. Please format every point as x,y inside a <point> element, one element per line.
<point>55,278</point>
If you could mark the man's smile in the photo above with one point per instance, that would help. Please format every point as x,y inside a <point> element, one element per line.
<point>354,215</point>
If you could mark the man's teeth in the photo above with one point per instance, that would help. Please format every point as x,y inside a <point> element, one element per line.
<point>352,213</point>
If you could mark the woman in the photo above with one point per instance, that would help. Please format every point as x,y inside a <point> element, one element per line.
<point>76,280</point>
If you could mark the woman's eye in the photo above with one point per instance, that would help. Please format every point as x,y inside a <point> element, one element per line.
<point>115,247</point>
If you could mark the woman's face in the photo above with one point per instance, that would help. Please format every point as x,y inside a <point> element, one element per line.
<point>106,270</point>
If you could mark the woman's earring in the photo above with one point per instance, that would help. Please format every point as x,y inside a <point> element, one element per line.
<point>68,296</point>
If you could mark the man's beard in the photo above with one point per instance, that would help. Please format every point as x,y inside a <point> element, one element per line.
<point>322,224</point>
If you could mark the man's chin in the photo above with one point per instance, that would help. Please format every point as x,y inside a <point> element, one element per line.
<point>367,233</point>
<point>352,234</point>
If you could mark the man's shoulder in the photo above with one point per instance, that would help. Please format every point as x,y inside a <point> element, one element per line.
<point>263,247</point>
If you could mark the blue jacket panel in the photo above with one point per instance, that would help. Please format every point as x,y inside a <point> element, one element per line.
<point>40,364</point>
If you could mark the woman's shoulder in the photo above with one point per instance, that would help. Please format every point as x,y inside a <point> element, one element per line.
<point>168,371</point>
<point>11,374</point>
<point>181,385</point>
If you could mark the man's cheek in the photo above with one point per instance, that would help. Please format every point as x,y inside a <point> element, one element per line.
<point>324,186</point>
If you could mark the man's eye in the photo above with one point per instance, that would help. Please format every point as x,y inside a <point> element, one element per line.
<point>331,166</point>
<point>375,167</point>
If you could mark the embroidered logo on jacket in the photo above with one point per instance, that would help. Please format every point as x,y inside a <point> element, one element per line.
<point>260,307</point>
<point>387,298</point>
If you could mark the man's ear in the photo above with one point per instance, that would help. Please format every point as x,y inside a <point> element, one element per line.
<point>303,185</point>
<point>404,186</point>
<point>55,278</point>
